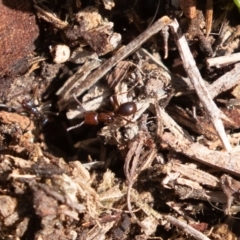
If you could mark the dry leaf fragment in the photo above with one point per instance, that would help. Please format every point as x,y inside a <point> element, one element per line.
<point>109,4</point>
<point>231,188</point>
<point>222,231</point>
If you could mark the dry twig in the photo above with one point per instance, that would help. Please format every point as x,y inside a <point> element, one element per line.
<point>223,60</point>
<point>209,16</point>
<point>226,81</point>
<point>187,228</point>
<point>226,161</point>
<point>201,90</point>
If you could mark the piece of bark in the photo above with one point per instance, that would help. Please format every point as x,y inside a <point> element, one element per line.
<point>190,172</point>
<point>72,85</point>
<point>226,81</point>
<point>24,122</point>
<point>187,228</point>
<point>226,161</point>
<point>18,33</point>
<point>200,125</point>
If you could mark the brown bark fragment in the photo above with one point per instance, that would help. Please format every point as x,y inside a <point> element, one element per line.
<point>18,32</point>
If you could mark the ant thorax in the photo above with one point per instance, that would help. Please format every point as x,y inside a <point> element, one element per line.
<point>38,113</point>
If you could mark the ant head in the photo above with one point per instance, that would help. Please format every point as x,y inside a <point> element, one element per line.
<point>28,105</point>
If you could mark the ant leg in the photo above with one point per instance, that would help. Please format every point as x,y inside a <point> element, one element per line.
<point>129,121</point>
<point>20,110</point>
<point>6,108</point>
<point>52,113</point>
<point>76,126</point>
<point>25,130</point>
<point>34,93</point>
<point>74,96</point>
<point>47,105</point>
<point>114,102</point>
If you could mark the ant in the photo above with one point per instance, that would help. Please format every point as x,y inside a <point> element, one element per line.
<point>30,107</point>
<point>39,110</point>
<point>94,118</point>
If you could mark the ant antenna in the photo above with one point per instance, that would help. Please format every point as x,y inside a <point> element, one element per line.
<point>219,209</point>
<point>76,126</point>
<point>75,98</point>
<point>154,17</point>
<point>80,124</point>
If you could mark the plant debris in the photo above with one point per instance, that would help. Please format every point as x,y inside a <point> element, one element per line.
<point>124,123</point>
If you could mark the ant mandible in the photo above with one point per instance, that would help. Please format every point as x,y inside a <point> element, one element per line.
<point>94,118</point>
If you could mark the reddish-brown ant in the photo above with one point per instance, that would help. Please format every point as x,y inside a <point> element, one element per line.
<point>94,118</point>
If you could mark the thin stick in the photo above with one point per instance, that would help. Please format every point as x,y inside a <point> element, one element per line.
<point>198,83</point>
<point>49,17</point>
<point>223,60</point>
<point>209,16</point>
<point>187,228</point>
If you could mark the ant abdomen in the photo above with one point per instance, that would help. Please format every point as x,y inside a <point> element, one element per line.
<point>127,109</point>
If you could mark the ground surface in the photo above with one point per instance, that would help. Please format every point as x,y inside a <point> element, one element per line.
<point>156,152</point>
